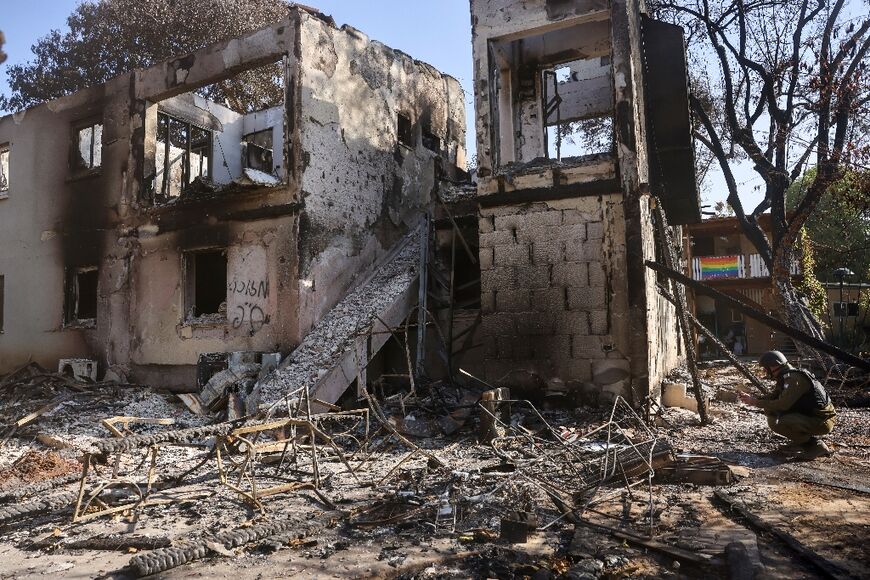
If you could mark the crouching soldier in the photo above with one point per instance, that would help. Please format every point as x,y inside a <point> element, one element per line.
<point>799,408</point>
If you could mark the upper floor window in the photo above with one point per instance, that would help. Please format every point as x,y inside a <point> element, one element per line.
<point>87,146</point>
<point>183,154</point>
<point>4,170</point>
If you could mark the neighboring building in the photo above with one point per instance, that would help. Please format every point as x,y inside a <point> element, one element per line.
<point>143,224</point>
<point>564,120</point>
<point>719,254</point>
<point>848,313</point>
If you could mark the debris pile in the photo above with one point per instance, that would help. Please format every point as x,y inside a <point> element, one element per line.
<point>500,485</point>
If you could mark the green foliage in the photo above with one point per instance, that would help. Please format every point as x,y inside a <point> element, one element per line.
<point>106,38</point>
<point>839,227</point>
<point>810,286</point>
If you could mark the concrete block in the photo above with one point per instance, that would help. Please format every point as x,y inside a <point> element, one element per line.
<point>542,218</point>
<point>575,216</point>
<point>588,347</point>
<point>514,347</point>
<point>547,252</point>
<point>556,347</point>
<point>608,371</point>
<point>487,302</point>
<point>570,274</point>
<point>490,347</point>
<point>513,300</point>
<point>498,324</point>
<point>597,276</point>
<point>598,323</point>
<point>549,300</point>
<point>595,231</point>
<point>675,395</point>
<point>575,370</point>
<point>486,224</point>
<point>510,222</point>
<point>512,255</point>
<point>535,324</point>
<point>532,277</point>
<point>497,238</point>
<point>584,251</point>
<point>497,279</point>
<point>571,232</point>
<point>575,322</point>
<point>485,256</point>
<point>586,298</point>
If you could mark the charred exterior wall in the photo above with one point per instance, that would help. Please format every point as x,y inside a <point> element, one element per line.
<point>58,219</point>
<point>348,191</point>
<point>363,187</point>
<point>563,241</point>
<point>553,294</point>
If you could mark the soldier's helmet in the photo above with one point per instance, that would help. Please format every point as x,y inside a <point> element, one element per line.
<point>772,358</point>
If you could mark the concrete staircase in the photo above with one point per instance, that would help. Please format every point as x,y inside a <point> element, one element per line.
<point>327,360</point>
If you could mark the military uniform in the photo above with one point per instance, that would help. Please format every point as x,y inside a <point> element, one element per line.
<point>799,408</point>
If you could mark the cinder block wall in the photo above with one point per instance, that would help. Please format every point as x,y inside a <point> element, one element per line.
<point>551,310</point>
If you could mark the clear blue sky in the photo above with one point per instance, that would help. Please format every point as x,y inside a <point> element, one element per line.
<point>437,32</point>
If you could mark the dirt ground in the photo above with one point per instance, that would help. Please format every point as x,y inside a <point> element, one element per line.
<point>401,517</point>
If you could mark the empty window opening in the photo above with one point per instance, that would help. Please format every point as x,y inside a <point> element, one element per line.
<point>88,144</point>
<point>220,138</point>
<point>81,295</point>
<point>206,280</point>
<point>257,151</point>
<point>540,82</point>
<point>183,154</point>
<point>431,141</point>
<point>405,130</point>
<point>2,300</point>
<point>578,115</point>
<point>4,170</point>
<point>845,309</point>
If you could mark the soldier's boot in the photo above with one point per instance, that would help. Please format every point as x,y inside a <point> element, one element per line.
<point>791,449</point>
<point>815,448</point>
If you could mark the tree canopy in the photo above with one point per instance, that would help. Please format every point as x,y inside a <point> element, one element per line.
<point>106,38</point>
<point>781,85</point>
<point>839,229</point>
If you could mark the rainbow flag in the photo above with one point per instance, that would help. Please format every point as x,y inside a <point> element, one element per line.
<point>720,267</point>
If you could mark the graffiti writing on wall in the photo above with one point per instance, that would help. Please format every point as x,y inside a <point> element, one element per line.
<point>250,316</point>
<point>252,288</point>
<point>250,313</point>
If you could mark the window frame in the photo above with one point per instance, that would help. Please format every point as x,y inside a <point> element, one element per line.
<point>77,169</point>
<point>188,150</point>
<point>71,295</point>
<point>6,148</point>
<point>188,282</point>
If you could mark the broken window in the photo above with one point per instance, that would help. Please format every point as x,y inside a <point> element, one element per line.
<point>81,296</point>
<point>206,284</point>
<point>405,130</point>
<point>219,138</point>
<point>431,141</point>
<point>551,94</point>
<point>578,117</point>
<point>87,146</point>
<point>4,170</point>
<point>257,151</point>
<point>183,154</point>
